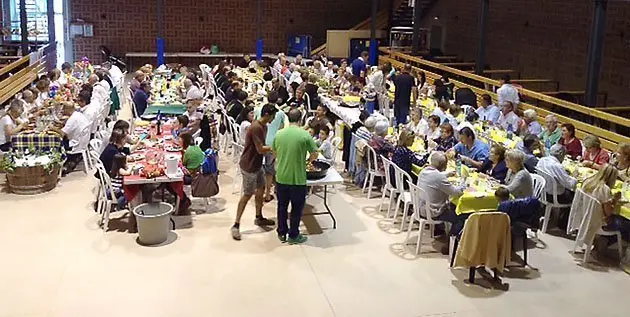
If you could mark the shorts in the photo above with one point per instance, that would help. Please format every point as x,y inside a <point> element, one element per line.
<point>253,181</point>
<point>269,164</point>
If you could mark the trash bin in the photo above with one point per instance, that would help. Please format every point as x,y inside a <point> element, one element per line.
<point>153,222</point>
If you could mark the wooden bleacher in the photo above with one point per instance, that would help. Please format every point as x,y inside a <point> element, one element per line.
<point>545,103</point>
<point>23,74</point>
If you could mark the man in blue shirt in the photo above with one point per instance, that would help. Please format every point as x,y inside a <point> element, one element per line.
<point>473,152</point>
<point>141,98</point>
<point>359,66</point>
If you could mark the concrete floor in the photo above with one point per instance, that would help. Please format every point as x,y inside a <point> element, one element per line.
<point>57,262</point>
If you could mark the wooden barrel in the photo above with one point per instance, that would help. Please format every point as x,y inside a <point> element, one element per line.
<point>32,180</point>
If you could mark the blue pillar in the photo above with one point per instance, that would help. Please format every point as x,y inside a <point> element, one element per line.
<point>373,41</point>
<point>160,51</point>
<point>259,49</point>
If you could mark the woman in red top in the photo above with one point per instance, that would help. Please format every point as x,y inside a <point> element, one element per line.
<point>594,156</point>
<point>570,142</point>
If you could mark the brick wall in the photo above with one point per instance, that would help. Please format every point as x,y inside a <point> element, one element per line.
<point>542,39</point>
<point>130,26</point>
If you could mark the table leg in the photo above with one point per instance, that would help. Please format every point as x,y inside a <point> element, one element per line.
<point>328,211</point>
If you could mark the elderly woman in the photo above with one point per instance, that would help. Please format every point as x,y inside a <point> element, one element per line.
<point>417,124</point>
<point>10,124</point>
<point>530,123</point>
<point>495,165</point>
<point>570,142</point>
<point>594,156</point>
<point>622,161</point>
<point>378,141</point>
<point>518,181</point>
<point>447,139</point>
<point>403,156</point>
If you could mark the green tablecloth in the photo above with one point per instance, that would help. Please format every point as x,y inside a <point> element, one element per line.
<point>169,109</point>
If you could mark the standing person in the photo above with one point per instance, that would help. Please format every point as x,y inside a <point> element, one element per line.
<point>405,86</point>
<point>507,92</point>
<point>269,162</point>
<point>251,168</point>
<point>291,146</point>
<point>359,65</point>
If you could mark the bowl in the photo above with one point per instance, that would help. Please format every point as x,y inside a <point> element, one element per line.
<point>322,167</point>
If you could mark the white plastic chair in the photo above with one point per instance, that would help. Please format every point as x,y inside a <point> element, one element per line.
<point>592,205</point>
<point>372,170</point>
<point>307,98</point>
<point>95,144</point>
<point>539,184</point>
<point>107,197</point>
<point>336,142</point>
<point>82,147</point>
<point>419,200</point>
<point>388,189</point>
<point>404,196</point>
<point>549,205</point>
<point>238,150</point>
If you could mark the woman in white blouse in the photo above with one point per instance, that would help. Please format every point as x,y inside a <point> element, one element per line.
<point>417,124</point>
<point>10,124</point>
<point>244,120</point>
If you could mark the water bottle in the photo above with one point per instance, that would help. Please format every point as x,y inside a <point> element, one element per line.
<point>509,131</point>
<point>458,165</point>
<point>159,122</point>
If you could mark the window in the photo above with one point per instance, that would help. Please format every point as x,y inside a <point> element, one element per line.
<point>36,17</point>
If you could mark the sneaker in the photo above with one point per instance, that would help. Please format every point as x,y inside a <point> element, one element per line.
<point>264,222</point>
<point>282,238</point>
<point>297,240</point>
<point>236,234</point>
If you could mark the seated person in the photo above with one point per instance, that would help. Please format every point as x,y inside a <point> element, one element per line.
<point>552,132</point>
<point>434,181</point>
<point>30,104</point>
<point>520,209</point>
<point>115,146</point>
<point>320,120</point>
<point>447,140</point>
<point>325,146</point>
<point>487,111</point>
<point>433,130</point>
<point>417,124</point>
<point>570,141</point>
<point>594,156</point>
<point>355,85</point>
<point>472,151</point>
<point>141,98</point>
<point>552,165</point>
<point>180,125</point>
<point>193,156</point>
<point>138,78</point>
<point>232,92</point>
<point>530,123</point>
<point>599,186</point>
<point>518,180</point>
<point>440,111</point>
<point>622,161</point>
<point>508,120</point>
<point>298,100</point>
<point>531,143</point>
<point>10,124</point>
<point>244,120</point>
<point>495,165</point>
<point>193,101</point>
<point>236,107</point>
<point>404,157</point>
<point>73,136</point>
<point>379,143</point>
<point>118,171</point>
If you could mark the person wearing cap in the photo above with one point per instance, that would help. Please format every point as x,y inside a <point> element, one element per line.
<point>552,165</point>
<point>291,146</point>
<point>141,97</point>
<point>251,164</point>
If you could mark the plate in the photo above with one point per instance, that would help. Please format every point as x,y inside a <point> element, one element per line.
<point>168,137</point>
<point>171,148</point>
<point>149,116</point>
<point>136,157</point>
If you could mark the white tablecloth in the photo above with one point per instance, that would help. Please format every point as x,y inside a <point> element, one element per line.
<point>332,178</point>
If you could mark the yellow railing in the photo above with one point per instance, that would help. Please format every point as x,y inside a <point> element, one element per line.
<point>608,139</point>
<point>22,79</point>
<point>491,84</point>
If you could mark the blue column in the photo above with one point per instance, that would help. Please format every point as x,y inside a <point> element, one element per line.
<point>259,49</point>
<point>160,33</point>
<point>373,41</point>
<point>160,51</point>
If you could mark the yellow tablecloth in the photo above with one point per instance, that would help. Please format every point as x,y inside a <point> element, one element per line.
<point>351,99</point>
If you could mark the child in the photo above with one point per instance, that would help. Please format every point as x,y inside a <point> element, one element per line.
<point>325,147</point>
<point>521,210</point>
<point>181,125</point>
<point>119,169</point>
<point>193,156</point>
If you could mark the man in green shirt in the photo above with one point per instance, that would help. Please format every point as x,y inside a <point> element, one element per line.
<point>291,146</point>
<point>552,133</point>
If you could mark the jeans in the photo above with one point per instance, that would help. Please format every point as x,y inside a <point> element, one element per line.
<point>296,195</point>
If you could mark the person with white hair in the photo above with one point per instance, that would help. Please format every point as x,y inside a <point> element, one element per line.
<point>365,132</point>
<point>194,98</point>
<point>10,124</point>
<point>518,180</point>
<point>531,125</point>
<point>378,141</point>
<point>552,165</point>
<point>434,181</point>
<point>330,70</point>
<point>552,132</point>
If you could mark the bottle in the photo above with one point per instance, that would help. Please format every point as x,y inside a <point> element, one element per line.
<point>509,131</point>
<point>458,165</point>
<point>159,122</point>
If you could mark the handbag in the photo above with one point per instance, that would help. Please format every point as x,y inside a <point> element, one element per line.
<point>205,185</point>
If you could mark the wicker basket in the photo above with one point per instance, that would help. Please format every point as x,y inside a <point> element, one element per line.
<point>32,180</point>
